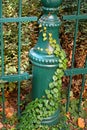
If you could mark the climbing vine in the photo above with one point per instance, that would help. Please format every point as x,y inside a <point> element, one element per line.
<point>46,106</point>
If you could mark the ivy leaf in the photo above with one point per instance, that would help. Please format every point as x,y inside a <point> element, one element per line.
<point>51,85</point>
<point>60,61</point>
<point>45,38</point>
<point>40,25</point>
<point>46,102</point>
<point>40,105</point>
<point>55,90</point>
<point>44,34</point>
<point>45,28</point>
<point>54,78</point>
<point>49,96</point>
<point>61,65</point>
<point>47,92</point>
<point>52,103</point>
<point>59,82</point>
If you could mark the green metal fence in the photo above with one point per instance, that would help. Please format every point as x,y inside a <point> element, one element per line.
<point>25,76</point>
<point>16,77</point>
<point>76,71</point>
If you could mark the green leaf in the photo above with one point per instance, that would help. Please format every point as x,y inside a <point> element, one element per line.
<point>51,85</point>
<point>47,92</point>
<point>44,34</point>
<point>55,90</point>
<point>54,77</point>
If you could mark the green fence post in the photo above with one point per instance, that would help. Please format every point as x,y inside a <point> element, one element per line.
<point>19,55</point>
<point>44,65</point>
<point>83,86</point>
<point>2,61</point>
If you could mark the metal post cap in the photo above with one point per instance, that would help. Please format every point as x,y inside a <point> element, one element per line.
<point>51,3</point>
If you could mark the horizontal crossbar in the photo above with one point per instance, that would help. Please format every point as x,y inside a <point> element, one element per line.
<point>18,19</point>
<point>15,77</point>
<point>74,17</point>
<point>75,71</point>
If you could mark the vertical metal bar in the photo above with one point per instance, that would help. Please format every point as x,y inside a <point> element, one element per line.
<point>73,53</point>
<point>2,60</point>
<point>82,88</point>
<point>19,54</point>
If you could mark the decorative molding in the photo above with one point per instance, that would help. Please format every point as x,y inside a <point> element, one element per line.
<point>42,59</point>
<point>50,9</point>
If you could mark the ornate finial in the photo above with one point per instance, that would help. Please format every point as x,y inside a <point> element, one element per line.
<point>50,18</point>
<point>51,4</point>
